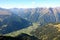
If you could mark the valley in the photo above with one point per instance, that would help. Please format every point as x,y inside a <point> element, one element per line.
<point>41,23</point>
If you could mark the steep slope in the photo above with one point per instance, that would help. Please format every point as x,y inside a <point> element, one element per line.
<point>13,23</point>
<point>48,32</point>
<point>40,15</point>
<point>4,12</point>
<point>25,30</point>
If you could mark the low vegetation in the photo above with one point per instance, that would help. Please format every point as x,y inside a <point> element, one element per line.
<point>23,36</point>
<point>25,30</point>
<point>47,32</point>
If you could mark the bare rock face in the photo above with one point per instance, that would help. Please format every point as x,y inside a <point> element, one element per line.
<point>40,15</point>
<point>12,23</point>
<point>5,12</point>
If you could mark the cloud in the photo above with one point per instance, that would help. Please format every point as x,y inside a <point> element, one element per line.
<point>33,2</point>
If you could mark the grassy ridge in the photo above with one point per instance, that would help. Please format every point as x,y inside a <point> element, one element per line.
<point>25,30</point>
<point>48,32</point>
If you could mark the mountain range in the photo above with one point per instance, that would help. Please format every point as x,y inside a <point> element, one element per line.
<point>39,15</point>
<point>28,20</point>
<point>11,22</point>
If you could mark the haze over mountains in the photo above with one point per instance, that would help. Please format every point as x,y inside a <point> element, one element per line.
<point>10,22</point>
<point>39,15</point>
<point>28,20</point>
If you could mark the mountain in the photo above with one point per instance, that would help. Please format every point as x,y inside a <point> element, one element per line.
<point>39,15</point>
<point>4,11</point>
<point>32,21</point>
<point>10,23</point>
<point>48,32</point>
<point>27,30</point>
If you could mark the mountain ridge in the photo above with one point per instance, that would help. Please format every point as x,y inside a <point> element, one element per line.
<point>39,15</point>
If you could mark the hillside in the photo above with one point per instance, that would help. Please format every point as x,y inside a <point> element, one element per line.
<point>39,15</point>
<point>43,23</point>
<point>25,30</point>
<point>48,32</point>
<point>22,36</point>
<point>12,23</point>
<point>4,12</point>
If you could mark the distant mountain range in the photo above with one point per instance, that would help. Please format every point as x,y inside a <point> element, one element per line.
<point>39,15</point>
<point>31,21</point>
<point>10,23</point>
<point>19,18</point>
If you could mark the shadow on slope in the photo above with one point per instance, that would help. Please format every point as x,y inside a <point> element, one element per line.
<point>13,23</point>
<point>20,37</point>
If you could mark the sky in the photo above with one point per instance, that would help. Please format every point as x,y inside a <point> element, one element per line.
<point>29,3</point>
